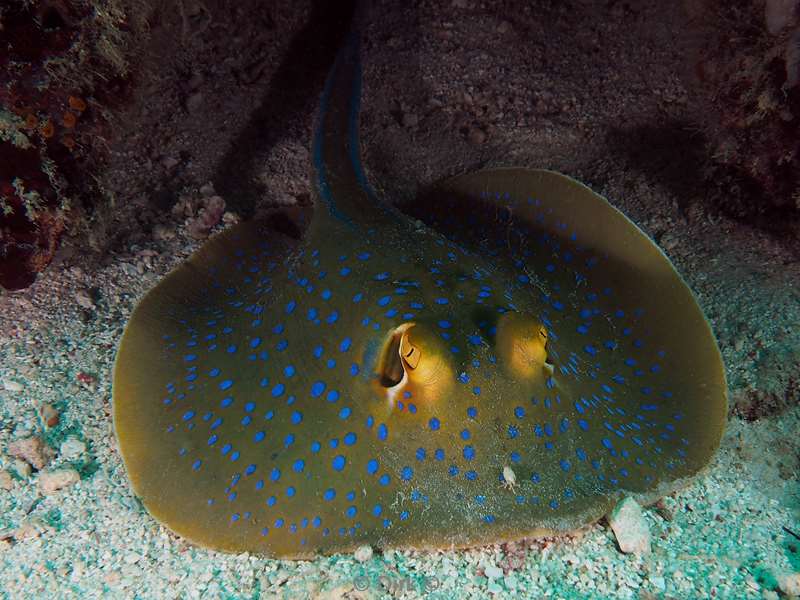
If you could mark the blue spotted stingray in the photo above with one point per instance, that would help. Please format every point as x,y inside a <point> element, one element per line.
<point>508,357</point>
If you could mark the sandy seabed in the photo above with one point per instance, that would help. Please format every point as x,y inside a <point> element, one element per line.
<point>597,95</point>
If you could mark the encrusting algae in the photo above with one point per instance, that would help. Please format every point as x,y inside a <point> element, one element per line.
<point>511,366</point>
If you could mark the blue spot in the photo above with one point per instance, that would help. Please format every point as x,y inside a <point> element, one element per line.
<point>384,479</point>
<point>278,390</point>
<point>476,390</point>
<point>420,454</point>
<point>275,474</point>
<point>317,388</point>
<point>372,466</point>
<point>333,317</point>
<point>299,465</point>
<point>439,454</point>
<point>196,464</point>
<point>338,462</point>
<point>472,412</point>
<point>377,510</point>
<point>345,412</point>
<point>330,494</point>
<point>465,435</point>
<point>406,474</point>
<point>383,432</point>
<point>258,437</point>
<point>289,370</point>
<point>469,452</point>
<point>442,301</point>
<point>519,412</point>
<point>333,396</point>
<point>326,294</point>
<point>290,307</point>
<point>297,417</point>
<point>188,415</point>
<point>434,423</point>
<point>224,385</point>
<point>383,301</point>
<point>358,297</point>
<point>315,447</point>
<point>345,345</point>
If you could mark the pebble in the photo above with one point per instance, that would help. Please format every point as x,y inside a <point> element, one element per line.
<point>789,584</point>
<point>363,553</point>
<point>84,300</point>
<point>57,479</point>
<point>72,448</point>
<point>630,527</point>
<point>49,415</point>
<point>32,450</point>
<point>10,385</point>
<point>6,482</point>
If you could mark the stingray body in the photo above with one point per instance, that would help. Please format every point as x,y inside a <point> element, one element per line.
<point>509,362</point>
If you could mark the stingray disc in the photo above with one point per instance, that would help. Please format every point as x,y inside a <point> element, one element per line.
<point>512,369</point>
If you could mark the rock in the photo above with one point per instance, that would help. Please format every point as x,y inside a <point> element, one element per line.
<point>476,136</point>
<point>493,572</point>
<point>410,120</point>
<point>630,527</point>
<point>22,468</point>
<point>49,415</point>
<point>162,233</point>
<point>72,448</point>
<point>789,584</point>
<point>32,450</point>
<point>170,162</point>
<point>32,528</point>
<point>207,217</point>
<point>363,553</point>
<point>57,479</point>
<point>6,482</point>
<point>194,101</point>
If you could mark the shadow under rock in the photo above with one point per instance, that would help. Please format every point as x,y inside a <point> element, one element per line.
<point>292,93</point>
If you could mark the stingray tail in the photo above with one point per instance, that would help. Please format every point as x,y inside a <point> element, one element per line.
<point>340,184</point>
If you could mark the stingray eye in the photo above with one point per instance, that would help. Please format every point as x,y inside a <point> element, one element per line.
<point>415,360</point>
<point>409,353</point>
<point>522,345</point>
